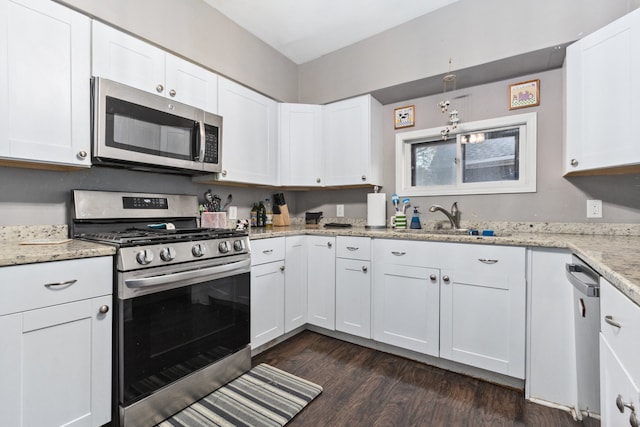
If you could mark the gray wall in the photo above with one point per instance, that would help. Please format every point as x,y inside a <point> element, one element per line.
<point>470,32</point>
<point>557,199</point>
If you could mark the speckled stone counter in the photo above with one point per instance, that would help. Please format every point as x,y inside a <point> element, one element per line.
<point>52,245</point>
<point>615,257</point>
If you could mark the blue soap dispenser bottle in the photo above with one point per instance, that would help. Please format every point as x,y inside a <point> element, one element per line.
<point>415,221</point>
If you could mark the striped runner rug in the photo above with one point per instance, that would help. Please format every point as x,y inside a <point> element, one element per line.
<point>263,397</point>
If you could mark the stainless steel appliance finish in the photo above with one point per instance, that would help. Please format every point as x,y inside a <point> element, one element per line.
<point>586,301</point>
<point>141,130</point>
<point>182,298</point>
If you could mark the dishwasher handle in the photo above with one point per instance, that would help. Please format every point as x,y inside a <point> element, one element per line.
<point>590,289</point>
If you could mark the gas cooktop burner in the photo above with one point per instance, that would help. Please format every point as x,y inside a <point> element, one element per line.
<point>134,236</point>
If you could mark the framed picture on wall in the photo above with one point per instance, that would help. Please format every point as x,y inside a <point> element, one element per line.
<point>525,94</point>
<point>404,117</point>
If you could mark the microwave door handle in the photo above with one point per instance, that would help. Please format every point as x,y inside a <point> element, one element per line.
<point>201,142</point>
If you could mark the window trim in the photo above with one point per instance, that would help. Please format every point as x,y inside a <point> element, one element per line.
<point>527,146</point>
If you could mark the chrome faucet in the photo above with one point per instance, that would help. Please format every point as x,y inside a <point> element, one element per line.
<point>453,216</point>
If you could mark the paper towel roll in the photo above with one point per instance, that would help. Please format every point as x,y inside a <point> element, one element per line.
<point>376,210</point>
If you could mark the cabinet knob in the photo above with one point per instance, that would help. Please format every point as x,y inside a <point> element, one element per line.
<point>159,88</point>
<point>82,155</point>
<point>633,420</point>
<point>329,244</point>
<point>172,93</point>
<point>433,277</point>
<point>103,309</point>
<point>364,268</point>
<point>446,279</point>
<point>574,162</point>
<point>282,268</point>
<point>223,173</point>
<point>364,177</point>
<point>621,404</point>
<point>318,180</point>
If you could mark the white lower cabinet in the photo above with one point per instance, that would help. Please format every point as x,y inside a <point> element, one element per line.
<point>55,336</point>
<point>321,281</point>
<point>483,307</point>
<point>406,296</point>
<point>619,349</point>
<point>353,286</point>
<point>267,290</point>
<point>295,283</point>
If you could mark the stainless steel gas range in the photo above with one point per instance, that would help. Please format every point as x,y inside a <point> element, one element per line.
<point>182,296</point>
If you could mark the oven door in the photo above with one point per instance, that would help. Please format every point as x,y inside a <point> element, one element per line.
<point>178,322</point>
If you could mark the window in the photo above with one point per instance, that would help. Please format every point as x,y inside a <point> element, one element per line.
<point>484,157</point>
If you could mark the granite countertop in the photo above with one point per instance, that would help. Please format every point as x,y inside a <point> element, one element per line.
<point>33,244</point>
<point>615,257</point>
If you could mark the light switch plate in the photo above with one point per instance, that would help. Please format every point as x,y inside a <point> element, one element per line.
<point>594,208</point>
<point>233,212</point>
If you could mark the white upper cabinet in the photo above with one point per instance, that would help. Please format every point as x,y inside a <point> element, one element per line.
<point>44,83</point>
<point>603,98</point>
<point>250,135</point>
<point>120,57</point>
<point>353,142</point>
<point>301,145</point>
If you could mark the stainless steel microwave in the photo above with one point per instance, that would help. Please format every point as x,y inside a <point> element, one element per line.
<point>140,130</point>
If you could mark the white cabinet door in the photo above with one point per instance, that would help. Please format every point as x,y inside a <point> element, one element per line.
<point>353,142</point>
<point>301,145</point>
<point>128,60</point>
<point>551,356</point>
<point>250,135</point>
<point>482,308</point>
<point>44,83</point>
<point>603,97</point>
<point>295,283</point>
<point>56,365</point>
<point>615,384</point>
<point>267,302</point>
<point>321,279</point>
<point>353,297</point>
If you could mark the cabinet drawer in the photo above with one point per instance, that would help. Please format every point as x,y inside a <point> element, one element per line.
<point>267,250</point>
<point>624,340</point>
<point>404,252</point>
<point>24,287</point>
<point>478,259</point>
<point>353,247</point>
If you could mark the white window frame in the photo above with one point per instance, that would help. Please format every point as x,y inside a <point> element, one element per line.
<point>527,158</point>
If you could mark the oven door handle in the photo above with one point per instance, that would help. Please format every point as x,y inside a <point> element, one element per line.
<point>188,275</point>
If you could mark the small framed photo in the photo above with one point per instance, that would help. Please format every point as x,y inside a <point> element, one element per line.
<point>525,94</point>
<point>404,117</point>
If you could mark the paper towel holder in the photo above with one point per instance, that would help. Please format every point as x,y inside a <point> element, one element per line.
<point>376,222</point>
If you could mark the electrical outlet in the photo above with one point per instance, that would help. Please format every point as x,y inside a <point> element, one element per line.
<point>340,211</point>
<point>233,212</point>
<point>594,208</point>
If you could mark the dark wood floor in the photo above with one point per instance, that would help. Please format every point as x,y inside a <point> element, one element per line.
<point>364,387</point>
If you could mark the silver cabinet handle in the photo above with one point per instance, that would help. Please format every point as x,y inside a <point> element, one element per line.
<point>352,248</point>
<point>609,320</point>
<point>487,261</point>
<point>574,162</point>
<point>318,180</point>
<point>633,419</point>
<point>433,277</point>
<point>159,88</point>
<point>621,404</point>
<point>364,268</point>
<point>267,251</point>
<point>282,268</point>
<point>364,177</point>
<point>172,93</point>
<point>82,155</point>
<point>60,284</point>
<point>329,244</point>
<point>103,309</point>
<point>446,279</point>
<point>397,253</point>
<point>223,173</point>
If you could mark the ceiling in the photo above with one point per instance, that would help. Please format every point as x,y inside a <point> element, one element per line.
<point>304,30</point>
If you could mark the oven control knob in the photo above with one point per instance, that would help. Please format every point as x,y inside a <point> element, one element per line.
<point>144,257</point>
<point>223,247</point>
<point>198,250</point>
<point>238,245</point>
<point>167,254</point>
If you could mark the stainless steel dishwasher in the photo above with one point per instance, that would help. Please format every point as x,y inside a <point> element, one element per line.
<point>586,300</point>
